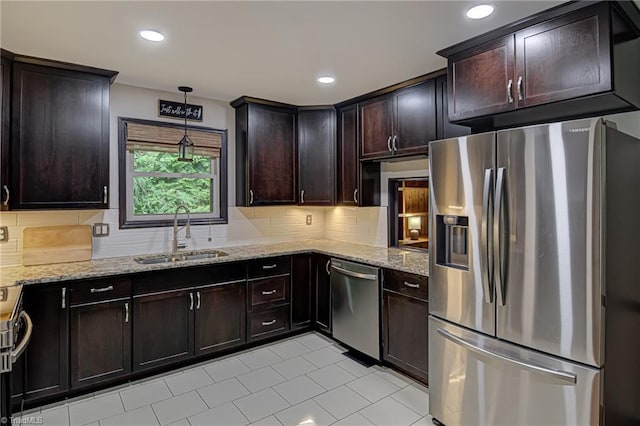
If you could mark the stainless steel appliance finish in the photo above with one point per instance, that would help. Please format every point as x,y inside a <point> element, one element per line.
<point>355,306</point>
<point>535,310</point>
<point>503,384</point>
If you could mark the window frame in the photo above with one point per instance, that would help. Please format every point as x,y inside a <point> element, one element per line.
<point>196,218</point>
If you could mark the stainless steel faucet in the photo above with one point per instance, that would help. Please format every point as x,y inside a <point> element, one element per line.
<point>176,229</point>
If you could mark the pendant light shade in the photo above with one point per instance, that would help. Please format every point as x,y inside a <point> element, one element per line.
<point>185,146</point>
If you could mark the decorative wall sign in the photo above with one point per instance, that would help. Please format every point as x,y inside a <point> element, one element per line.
<point>176,110</point>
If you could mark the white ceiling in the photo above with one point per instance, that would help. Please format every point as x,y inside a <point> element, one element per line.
<point>272,50</point>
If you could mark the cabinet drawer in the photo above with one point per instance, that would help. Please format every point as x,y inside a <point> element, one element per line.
<point>269,290</point>
<point>268,267</point>
<point>99,290</point>
<point>270,322</point>
<point>405,283</point>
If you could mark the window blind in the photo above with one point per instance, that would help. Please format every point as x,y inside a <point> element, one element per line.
<point>144,137</point>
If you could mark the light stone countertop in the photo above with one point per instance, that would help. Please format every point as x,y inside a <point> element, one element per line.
<point>416,262</point>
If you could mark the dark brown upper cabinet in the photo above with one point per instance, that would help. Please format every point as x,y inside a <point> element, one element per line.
<point>6,61</point>
<point>401,123</point>
<point>316,155</point>
<point>358,183</point>
<point>266,159</point>
<point>576,60</point>
<point>59,135</point>
<point>445,128</point>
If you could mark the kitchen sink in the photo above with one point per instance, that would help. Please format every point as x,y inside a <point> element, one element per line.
<point>180,257</point>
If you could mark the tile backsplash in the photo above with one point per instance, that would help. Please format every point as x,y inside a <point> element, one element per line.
<point>247,225</point>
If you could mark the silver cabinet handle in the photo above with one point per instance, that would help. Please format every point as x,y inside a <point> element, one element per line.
<point>486,230</point>
<point>520,89</point>
<point>269,266</point>
<point>302,196</point>
<point>15,354</point>
<point>198,297</point>
<point>101,290</point>
<point>394,142</point>
<point>105,199</point>
<point>191,302</point>
<point>327,267</point>
<point>389,144</point>
<point>266,293</point>
<point>510,91</point>
<point>6,193</point>
<point>558,374</point>
<point>64,297</point>
<point>355,195</point>
<point>266,323</point>
<point>126,311</point>
<point>250,196</point>
<point>408,284</point>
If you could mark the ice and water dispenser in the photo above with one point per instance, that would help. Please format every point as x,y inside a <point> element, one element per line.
<point>452,241</point>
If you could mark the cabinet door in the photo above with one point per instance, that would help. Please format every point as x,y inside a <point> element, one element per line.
<point>301,291</point>
<point>481,80</point>
<point>376,127</point>
<point>5,84</point>
<point>415,124</point>
<point>445,129</point>
<point>564,58</point>
<point>406,340</point>
<point>317,156</point>
<point>272,155</point>
<point>162,328</point>
<point>60,138</point>
<point>323,292</point>
<point>46,359</point>
<point>220,317</point>
<point>100,341</point>
<point>348,156</point>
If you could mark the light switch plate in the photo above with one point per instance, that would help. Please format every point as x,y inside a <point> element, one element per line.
<point>309,218</point>
<point>4,234</point>
<point>100,229</point>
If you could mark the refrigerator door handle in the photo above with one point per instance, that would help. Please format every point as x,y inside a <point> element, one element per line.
<point>499,229</point>
<point>485,250</point>
<point>556,374</point>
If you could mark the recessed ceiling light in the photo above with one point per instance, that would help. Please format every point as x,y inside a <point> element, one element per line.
<point>151,35</point>
<point>326,79</point>
<point>480,11</point>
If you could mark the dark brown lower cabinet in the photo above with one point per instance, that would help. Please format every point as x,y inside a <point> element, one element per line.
<point>100,341</point>
<point>220,317</point>
<point>46,360</point>
<point>268,322</point>
<point>162,328</point>
<point>405,334</point>
<point>321,272</point>
<point>301,308</point>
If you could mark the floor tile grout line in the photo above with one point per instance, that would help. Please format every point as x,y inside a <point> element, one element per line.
<point>406,404</point>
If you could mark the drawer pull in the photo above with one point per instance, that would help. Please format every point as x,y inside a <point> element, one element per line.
<point>412,285</point>
<point>267,323</point>
<point>266,293</point>
<point>269,266</point>
<point>102,290</point>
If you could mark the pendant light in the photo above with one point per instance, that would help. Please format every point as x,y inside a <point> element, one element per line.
<point>185,146</point>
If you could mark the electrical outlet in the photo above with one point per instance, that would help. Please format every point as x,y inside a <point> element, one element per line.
<point>4,234</point>
<point>309,217</point>
<point>100,229</point>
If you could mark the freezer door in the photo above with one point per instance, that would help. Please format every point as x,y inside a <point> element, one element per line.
<point>548,232</point>
<point>479,380</point>
<point>461,187</point>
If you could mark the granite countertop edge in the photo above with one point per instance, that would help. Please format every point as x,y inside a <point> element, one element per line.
<point>411,261</point>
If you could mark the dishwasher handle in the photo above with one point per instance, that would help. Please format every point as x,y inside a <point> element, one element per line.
<point>370,277</point>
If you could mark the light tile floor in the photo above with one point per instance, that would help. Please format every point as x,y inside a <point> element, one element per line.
<point>302,380</point>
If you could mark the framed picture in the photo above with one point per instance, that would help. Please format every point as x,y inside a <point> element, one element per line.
<point>177,110</point>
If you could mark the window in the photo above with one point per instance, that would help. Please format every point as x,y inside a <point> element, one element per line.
<point>153,183</point>
<point>409,213</point>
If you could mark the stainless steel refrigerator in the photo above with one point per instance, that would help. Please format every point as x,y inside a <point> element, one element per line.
<point>534,277</point>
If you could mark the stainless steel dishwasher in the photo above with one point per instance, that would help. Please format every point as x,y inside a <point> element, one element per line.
<point>355,306</point>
